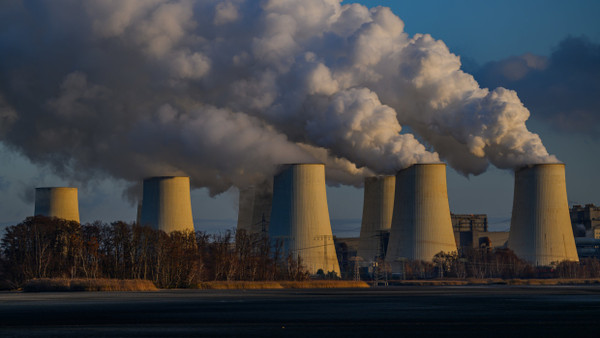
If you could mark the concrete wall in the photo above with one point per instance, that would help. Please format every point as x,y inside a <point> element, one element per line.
<point>421,225</point>
<point>378,205</point>
<point>540,229</point>
<point>166,204</point>
<point>61,202</point>
<point>255,209</point>
<point>300,217</point>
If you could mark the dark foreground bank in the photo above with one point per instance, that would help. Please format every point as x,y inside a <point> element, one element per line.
<point>481,311</point>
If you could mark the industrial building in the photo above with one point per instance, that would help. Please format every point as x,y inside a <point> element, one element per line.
<point>378,205</point>
<point>421,225</point>
<point>467,229</point>
<point>300,217</point>
<point>60,202</point>
<point>540,229</point>
<point>585,220</point>
<point>166,204</point>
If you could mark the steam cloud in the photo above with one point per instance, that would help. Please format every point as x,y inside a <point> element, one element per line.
<point>223,91</point>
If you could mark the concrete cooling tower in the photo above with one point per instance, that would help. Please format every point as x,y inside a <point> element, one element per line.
<point>421,224</point>
<point>540,228</point>
<point>57,202</point>
<point>300,218</point>
<point>166,204</point>
<point>255,209</point>
<point>378,206</point>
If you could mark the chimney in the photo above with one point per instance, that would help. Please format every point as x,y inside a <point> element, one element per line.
<point>540,227</point>
<point>300,217</point>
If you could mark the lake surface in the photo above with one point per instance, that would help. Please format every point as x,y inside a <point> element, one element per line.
<point>481,311</point>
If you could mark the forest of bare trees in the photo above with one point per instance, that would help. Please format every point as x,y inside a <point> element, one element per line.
<point>42,247</point>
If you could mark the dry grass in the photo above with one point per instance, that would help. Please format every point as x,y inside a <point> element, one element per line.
<point>63,284</point>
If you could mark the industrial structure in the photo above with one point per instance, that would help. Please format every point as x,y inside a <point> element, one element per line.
<point>540,228</point>
<point>166,204</point>
<point>300,217</point>
<point>60,202</point>
<point>378,205</point>
<point>585,220</point>
<point>421,225</point>
<point>254,213</point>
<point>468,228</point>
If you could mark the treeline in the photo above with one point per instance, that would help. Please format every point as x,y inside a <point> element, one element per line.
<point>42,247</point>
<point>491,263</point>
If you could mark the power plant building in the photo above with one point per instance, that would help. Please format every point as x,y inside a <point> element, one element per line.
<point>60,202</point>
<point>468,229</point>
<point>166,204</point>
<point>421,224</point>
<point>585,220</point>
<point>378,206</point>
<point>300,217</point>
<point>540,229</point>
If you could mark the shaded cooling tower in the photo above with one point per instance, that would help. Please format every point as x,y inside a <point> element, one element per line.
<point>61,202</point>
<point>378,206</point>
<point>421,224</point>
<point>300,217</point>
<point>166,204</point>
<point>255,209</point>
<point>540,227</point>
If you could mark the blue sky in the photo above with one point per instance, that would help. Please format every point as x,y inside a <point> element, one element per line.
<point>486,35</point>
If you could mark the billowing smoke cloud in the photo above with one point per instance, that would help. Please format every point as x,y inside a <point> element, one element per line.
<point>557,87</point>
<point>224,91</point>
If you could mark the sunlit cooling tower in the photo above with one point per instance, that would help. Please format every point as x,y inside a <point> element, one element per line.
<point>61,202</point>
<point>255,209</point>
<point>421,224</point>
<point>300,218</point>
<point>540,228</point>
<point>378,206</point>
<point>166,204</point>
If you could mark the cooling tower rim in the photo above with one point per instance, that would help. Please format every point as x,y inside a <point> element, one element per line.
<point>375,178</point>
<point>424,165</point>
<point>54,188</point>
<point>539,165</point>
<point>306,163</point>
<point>379,176</point>
<point>160,178</point>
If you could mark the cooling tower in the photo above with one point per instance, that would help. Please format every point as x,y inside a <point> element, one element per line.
<point>166,204</point>
<point>300,218</point>
<point>421,225</point>
<point>255,209</point>
<point>540,228</point>
<point>57,202</point>
<point>378,206</point>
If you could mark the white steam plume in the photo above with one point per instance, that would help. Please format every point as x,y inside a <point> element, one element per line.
<point>224,91</point>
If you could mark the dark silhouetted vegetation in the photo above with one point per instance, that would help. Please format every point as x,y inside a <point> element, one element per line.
<point>42,247</point>
<point>501,263</point>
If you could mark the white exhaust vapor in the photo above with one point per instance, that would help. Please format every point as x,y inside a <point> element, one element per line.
<point>223,91</point>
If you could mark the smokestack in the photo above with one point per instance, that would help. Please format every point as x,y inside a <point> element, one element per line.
<point>300,217</point>
<point>540,228</point>
<point>255,209</point>
<point>166,204</point>
<point>61,202</point>
<point>421,224</point>
<point>378,206</point>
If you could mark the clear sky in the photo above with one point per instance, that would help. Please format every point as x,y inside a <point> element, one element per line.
<point>487,35</point>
